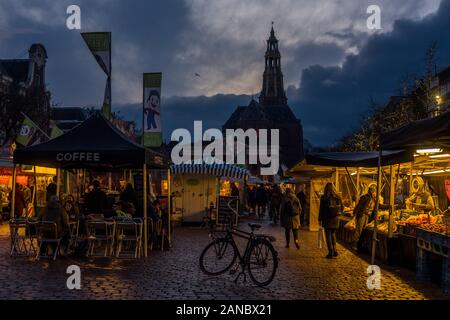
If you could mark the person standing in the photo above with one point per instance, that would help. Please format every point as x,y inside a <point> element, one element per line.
<point>301,195</point>
<point>96,199</point>
<point>362,212</point>
<point>19,201</point>
<point>234,190</point>
<point>261,201</point>
<point>290,217</point>
<point>251,199</point>
<point>52,188</point>
<point>330,206</point>
<point>275,203</point>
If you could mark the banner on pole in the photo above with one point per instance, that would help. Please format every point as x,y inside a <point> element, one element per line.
<point>100,45</point>
<point>27,131</point>
<point>55,132</point>
<point>151,130</point>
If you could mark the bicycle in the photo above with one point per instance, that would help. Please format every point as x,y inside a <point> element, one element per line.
<point>260,258</point>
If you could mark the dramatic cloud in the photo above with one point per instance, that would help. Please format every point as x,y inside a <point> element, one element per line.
<point>332,63</point>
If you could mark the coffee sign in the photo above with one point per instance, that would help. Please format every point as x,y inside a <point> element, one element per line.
<point>78,156</point>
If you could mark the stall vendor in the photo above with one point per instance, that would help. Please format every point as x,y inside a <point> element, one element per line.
<point>422,199</point>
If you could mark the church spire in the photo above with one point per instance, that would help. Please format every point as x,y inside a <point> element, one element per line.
<point>272,92</point>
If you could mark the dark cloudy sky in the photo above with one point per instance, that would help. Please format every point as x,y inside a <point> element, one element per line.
<point>331,62</point>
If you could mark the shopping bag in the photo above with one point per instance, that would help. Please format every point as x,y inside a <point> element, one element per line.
<point>321,237</point>
<point>351,225</point>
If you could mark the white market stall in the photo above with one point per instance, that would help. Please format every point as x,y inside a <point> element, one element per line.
<point>195,187</point>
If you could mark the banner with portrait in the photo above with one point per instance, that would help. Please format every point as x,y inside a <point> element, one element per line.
<point>151,126</point>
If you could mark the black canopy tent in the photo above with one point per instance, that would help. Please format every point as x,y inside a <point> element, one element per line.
<point>95,143</point>
<point>358,159</point>
<point>432,132</point>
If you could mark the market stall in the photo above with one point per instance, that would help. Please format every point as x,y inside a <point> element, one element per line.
<point>195,187</point>
<point>428,221</point>
<point>351,173</point>
<point>94,144</point>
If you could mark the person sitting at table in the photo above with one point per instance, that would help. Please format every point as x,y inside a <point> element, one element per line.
<point>118,211</point>
<point>96,199</point>
<point>71,210</point>
<point>53,212</point>
<point>129,208</point>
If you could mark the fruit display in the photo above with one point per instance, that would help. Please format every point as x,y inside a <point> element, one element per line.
<point>436,227</point>
<point>418,220</point>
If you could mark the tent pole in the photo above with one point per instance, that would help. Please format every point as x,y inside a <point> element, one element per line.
<point>377,203</point>
<point>144,175</point>
<point>337,180</point>
<point>358,187</point>
<point>13,193</point>
<point>169,207</point>
<point>68,182</point>
<point>34,200</point>
<point>411,178</point>
<point>58,177</point>
<point>391,200</point>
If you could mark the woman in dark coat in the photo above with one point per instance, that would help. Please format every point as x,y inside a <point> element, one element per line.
<point>290,216</point>
<point>330,206</point>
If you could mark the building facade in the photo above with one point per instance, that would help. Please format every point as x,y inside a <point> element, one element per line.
<point>272,110</point>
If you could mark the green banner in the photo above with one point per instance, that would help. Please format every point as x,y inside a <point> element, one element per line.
<point>27,130</point>
<point>56,132</point>
<point>100,45</point>
<point>151,130</point>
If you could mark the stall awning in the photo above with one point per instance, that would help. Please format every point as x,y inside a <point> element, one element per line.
<point>95,143</point>
<point>358,159</point>
<point>433,132</point>
<point>215,169</point>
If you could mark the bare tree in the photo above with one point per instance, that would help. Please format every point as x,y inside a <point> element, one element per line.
<point>16,101</point>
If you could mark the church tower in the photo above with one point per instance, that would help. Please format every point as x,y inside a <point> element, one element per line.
<point>272,92</point>
<point>272,111</point>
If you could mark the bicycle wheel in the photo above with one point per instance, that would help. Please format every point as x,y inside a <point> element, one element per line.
<point>218,257</point>
<point>262,262</point>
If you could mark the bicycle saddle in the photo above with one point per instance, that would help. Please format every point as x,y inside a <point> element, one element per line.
<point>254,226</point>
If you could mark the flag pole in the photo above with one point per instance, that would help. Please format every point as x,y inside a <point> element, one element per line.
<point>109,77</point>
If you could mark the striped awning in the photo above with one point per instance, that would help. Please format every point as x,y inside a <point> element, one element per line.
<point>215,169</point>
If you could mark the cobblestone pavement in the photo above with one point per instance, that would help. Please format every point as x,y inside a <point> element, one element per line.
<point>175,274</point>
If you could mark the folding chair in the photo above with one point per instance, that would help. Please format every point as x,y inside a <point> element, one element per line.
<point>32,236</point>
<point>98,232</point>
<point>74,228</point>
<point>47,235</point>
<point>17,228</point>
<point>129,232</point>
